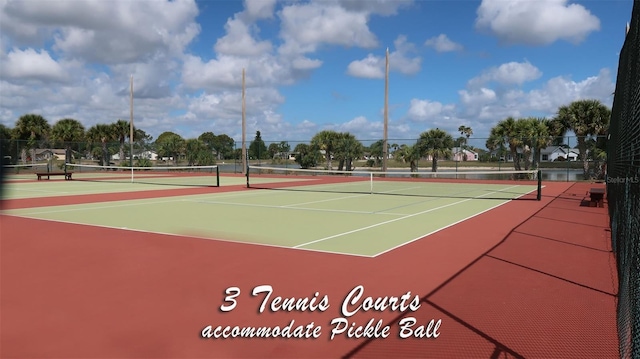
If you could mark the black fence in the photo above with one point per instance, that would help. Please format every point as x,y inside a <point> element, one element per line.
<point>623,188</point>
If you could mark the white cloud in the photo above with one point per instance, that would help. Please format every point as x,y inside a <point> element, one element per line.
<point>105,32</point>
<point>536,22</point>
<point>239,41</point>
<point>32,65</point>
<point>260,9</point>
<point>486,106</point>
<point>425,110</point>
<point>442,43</point>
<point>305,27</point>
<point>226,72</point>
<point>373,67</point>
<point>512,73</point>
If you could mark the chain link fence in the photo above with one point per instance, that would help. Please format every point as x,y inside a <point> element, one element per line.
<point>623,188</point>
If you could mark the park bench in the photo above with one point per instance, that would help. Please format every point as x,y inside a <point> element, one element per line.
<point>67,175</point>
<point>596,195</point>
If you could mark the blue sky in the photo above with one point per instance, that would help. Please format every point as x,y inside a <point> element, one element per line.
<point>310,65</point>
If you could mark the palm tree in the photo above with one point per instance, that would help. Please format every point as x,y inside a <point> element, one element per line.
<point>410,154</point>
<point>31,128</point>
<point>170,144</point>
<point>67,131</point>
<point>121,130</point>
<point>326,141</point>
<point>102,134</point>
<point>435,143</point>
<point>347,149</point>
<point>464,141</point>
<point>506,133</point>
<point>585,118</point>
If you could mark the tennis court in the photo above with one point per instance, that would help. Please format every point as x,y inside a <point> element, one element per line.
<point>146,259</point>
<point>353,214</point>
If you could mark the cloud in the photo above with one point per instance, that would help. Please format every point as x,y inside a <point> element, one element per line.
<point>259,9</point>
<point>30,64</point>
<point>512,73</point>
<point>104,32</point>
<point>305,27</point>
<point>239,40</point>
<point>424,110</point>
<point>378,7</point>
<point>536,22</point>
<point>442,43</point>
<point>373,67</point>
<point>486,106</point>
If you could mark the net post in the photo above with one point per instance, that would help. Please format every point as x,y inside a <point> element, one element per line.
<point>371,183</point>
<point>539,185</point>
<point>247,175</point>
<point>217,176</point>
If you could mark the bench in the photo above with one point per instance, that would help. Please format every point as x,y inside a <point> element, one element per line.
<point>67,175</point>
<point>597,197</point>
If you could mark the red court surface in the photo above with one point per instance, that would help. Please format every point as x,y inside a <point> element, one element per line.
<point>532,279</point>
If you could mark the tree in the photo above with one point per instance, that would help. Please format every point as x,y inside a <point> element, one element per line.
<point>347,148</point>
<point>585,118</point>
<point>170,144</point>
<point>5,145</point>
<point>307,156</point>
<point>31,128</point>
<point>273,149</point>
<point>198,153</point>
<point>257,148</point>
<point>435,143</point>
<point>408,154</point>
<point>225,146</point>
<point>376,150</point>
<point>142,141</point>
<point>325,141</point>
<point>506,133</point>
<point>121,131</point>
<point>466,132</point>
<point>67,131</point>
<point>102,134</point>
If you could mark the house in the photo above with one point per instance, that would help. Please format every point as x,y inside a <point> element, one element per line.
<point>285,155</point>
<point>558,153</point>
<point>463,154</point>
<point>48,154</point>
<point>150,155</point>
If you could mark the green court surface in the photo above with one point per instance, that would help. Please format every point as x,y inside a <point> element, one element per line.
<point>322,217</point>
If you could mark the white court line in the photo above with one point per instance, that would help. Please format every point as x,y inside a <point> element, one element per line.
<point>82,208</point>
<point>398,219</point>
<point>450,225</point>
<point>194,237</point>
<point>293,208</point>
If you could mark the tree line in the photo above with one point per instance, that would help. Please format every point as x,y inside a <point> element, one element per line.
<point>521,138</point>
<point>102,141</point>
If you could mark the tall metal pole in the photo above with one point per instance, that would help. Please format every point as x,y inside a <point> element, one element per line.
<point>385,148</point>
<point>244,124</point>
<point>131,125</point>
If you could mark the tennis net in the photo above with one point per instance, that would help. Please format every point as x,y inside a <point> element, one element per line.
<point>471,184</point>
<point>202,176</point>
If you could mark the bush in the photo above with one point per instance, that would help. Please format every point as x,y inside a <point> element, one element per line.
<point>144,162</point>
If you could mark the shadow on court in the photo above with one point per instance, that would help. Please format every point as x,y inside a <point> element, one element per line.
<point>538,293</point>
